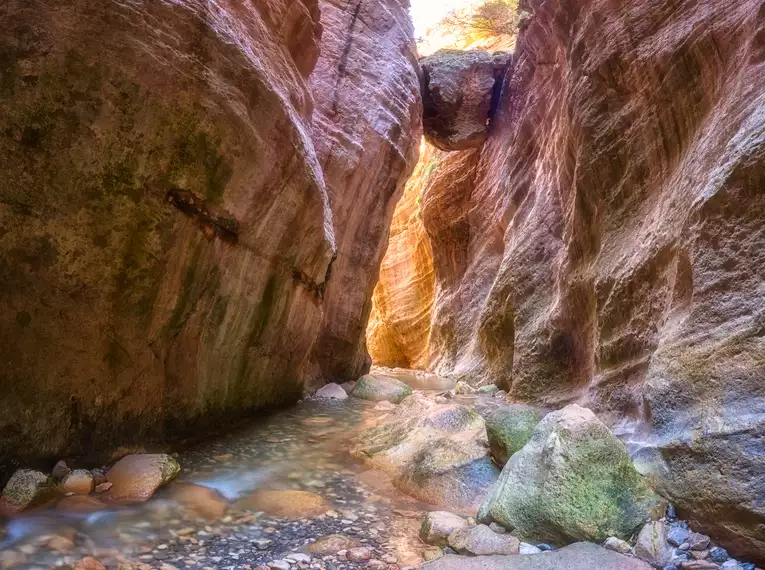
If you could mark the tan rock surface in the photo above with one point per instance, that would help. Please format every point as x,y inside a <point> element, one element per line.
<point>155,257</point>
<point>399,326</point>
<point>135,478</point>
<point>289,504</point>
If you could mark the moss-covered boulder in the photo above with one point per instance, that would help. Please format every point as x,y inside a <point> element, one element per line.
<point>26,488</point>
<point>379,388</point>
<point>572,481</point>
<point>509,429</point>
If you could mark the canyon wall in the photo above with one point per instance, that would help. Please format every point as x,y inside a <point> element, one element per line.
<point>609,243</point>
<point>167,234</point>
<point>398,333</point>
<point>367,128</point>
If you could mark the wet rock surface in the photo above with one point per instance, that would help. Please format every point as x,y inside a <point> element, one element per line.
<point>378,388</point>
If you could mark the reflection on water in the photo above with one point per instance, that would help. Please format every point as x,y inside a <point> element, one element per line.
<point>206,518</point>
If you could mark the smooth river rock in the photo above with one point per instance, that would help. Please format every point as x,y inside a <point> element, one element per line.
<point>135,478</point>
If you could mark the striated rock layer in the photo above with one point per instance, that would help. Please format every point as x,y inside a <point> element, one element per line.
<point>166,232</point>
<point>609,243</point>
<point>399,326</point>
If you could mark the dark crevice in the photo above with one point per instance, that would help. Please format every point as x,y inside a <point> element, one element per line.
<point>212,223</point>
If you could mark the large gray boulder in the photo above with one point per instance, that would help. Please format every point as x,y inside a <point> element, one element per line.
<point>457,92</point>
<point>573,481</point>
<point>580,556</point>
<point>380,388</point>
<point>438,454</point>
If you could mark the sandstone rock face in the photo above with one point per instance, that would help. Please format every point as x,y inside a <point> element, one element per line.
<point>367,129</point>
<point>609,243</point>
<point>172,204</point>
<point>399,326</point>
<point>458,88</point>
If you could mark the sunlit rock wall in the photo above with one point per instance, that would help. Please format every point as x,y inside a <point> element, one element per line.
<point>399,327</point>
<point>367,128</point>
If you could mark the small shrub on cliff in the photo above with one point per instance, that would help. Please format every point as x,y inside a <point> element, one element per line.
<point>491,18</point>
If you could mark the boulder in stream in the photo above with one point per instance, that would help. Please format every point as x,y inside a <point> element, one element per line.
<point>509,428</point>
<point>135,478</point>
<point>435,453</point>
<point>332,391</point>
<point>438,525</point>
<point>79,482</point>
<point>572,481</point>
<point>379,388</point>
<point>652,545</point>
<point>480,540</point>
<point>26,488</point>
<point>288,504</point>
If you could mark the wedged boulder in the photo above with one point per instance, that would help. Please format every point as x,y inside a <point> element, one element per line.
<point>135,478</point>
<point>379,388</point>
<point>438,525</point>
<point>509,429</point>
<point>438,454</point>
<point>579,556</point>
<point>26,488</point>
<point>457,91</point>
<point>573,481</point>
<point>480,540</point>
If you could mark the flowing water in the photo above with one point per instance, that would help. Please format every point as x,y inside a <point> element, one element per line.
<point>206,519</point>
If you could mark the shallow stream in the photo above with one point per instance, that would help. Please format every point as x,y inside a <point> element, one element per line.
<point>206,520</point>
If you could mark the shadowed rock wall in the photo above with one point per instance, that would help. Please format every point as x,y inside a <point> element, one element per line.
<point>166,232</point>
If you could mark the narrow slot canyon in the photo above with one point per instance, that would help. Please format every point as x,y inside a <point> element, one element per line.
<point>365,285</point>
